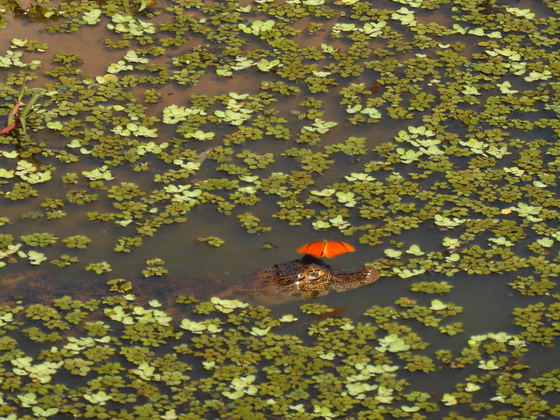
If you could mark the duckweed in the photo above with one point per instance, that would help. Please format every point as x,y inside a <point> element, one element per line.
<point>348,365</point>
<point>385,127</point>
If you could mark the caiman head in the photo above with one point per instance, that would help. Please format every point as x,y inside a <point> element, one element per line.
<point>309,278</point>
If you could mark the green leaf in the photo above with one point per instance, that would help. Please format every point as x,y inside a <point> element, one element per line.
<point>471,387</point>
<point>437,305</point>
<point>488,365</point>
<point>92,16</point>
<point>449,399</point>
<point>259,332</point>
<point>19,43</point>
<point>40,412</point>
<point>414,250</point>
<point>393,253</point>
<point>408,409</point>
<point>55,125</point>
<point>546,242</point>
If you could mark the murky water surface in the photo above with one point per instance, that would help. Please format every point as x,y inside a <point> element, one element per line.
<point>424,133</point>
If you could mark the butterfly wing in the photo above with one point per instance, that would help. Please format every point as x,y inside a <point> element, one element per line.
<point>316,249</point>
<point>328,249</point>
<point>335,248</point>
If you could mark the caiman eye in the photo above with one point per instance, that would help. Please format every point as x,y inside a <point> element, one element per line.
<point>314,274</point>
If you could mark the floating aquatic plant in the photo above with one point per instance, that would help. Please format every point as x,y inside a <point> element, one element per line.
<point>465,113</point>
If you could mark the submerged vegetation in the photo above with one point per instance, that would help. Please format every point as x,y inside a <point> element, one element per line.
<point>378,122</point>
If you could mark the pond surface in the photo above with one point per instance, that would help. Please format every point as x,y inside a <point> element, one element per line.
<point>153,153</point>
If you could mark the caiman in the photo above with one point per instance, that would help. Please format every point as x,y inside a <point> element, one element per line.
<point>307,277</point>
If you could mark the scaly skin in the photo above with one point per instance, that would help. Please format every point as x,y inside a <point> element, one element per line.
<point>308,277</point>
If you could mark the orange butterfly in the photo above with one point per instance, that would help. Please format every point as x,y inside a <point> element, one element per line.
<point>328,249</point>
